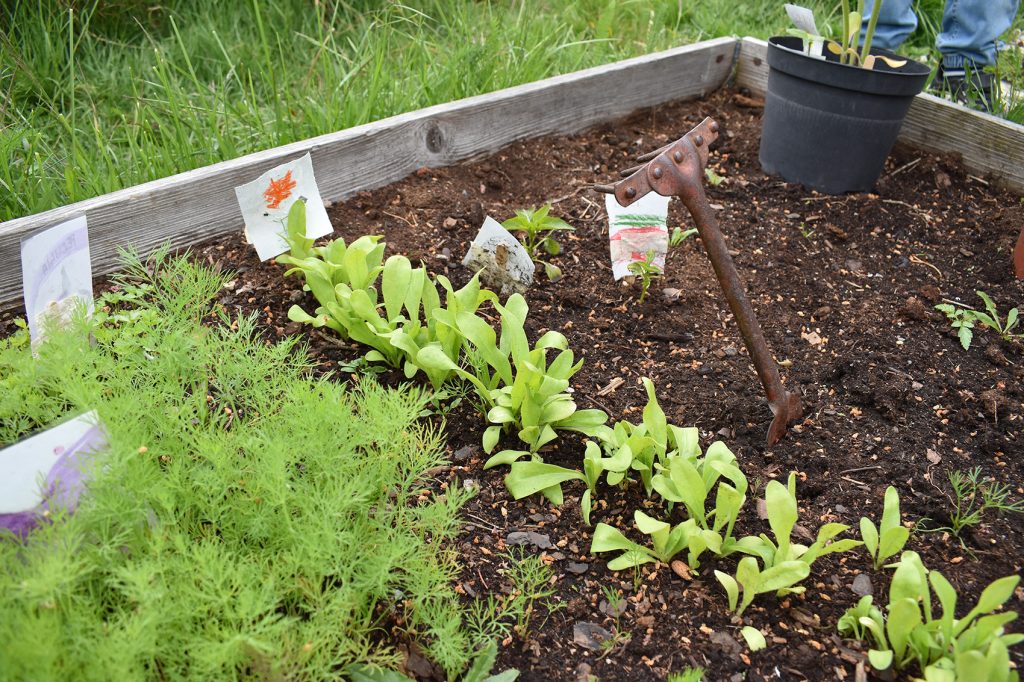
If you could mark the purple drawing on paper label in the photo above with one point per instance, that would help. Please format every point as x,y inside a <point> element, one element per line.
<point>63,482</point>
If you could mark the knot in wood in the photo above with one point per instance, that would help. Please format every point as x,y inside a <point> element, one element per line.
<point>435,138</point>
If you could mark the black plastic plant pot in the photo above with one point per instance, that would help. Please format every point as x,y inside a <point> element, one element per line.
<point>830,126</point>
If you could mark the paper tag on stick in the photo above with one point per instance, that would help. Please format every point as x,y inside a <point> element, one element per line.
<point>266,200</point>
<point>56,275</point>
<point>636,230</point>
<point>47,470</point>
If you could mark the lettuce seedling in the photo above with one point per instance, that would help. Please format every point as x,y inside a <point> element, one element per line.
<point>688,480</point>
<point>974,647</point>
<point>329,272</point>
<point>435,326</point>
<point>679,235</point>
<point>780,501</point>
<point>526,478</point>
<point>647,271</point>
<point>888,539</point>
<point>403,319</point>
<point>752,581</point>
<point>666,542</point>
<point>299,246</point>
<point>667,459</point>
<point>520,390</point>
<point>639,447</point>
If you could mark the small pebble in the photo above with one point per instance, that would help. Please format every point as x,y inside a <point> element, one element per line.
<point>862,586</point>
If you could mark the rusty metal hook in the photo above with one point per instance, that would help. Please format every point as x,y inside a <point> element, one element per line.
<point>678,170</point>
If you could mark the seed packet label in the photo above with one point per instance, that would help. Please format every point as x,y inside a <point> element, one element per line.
<point>56,275</point>
<point>46,471</point>
<point>636,230</point>
<point>504,263</point>
<point>265,203</point>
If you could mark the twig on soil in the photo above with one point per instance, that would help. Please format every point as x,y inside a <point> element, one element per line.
<point>333,341</point>
<point>599,404</point>
<point>612,385</point>
<point>484,522</point>
<point>927,217</point>
<point>570,195</point>
<point>855,470</point>
<point>906,166</point>
<point>852,480</point>
<point>920,261</point>
<point>590,205</point>
<point>825,198</point>
<point>959,304</point>
<point>404,220</point>
<point>897,372</point>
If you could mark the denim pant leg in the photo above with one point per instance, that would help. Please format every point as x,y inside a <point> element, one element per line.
<point>970,29</point>
<point>896,21</point>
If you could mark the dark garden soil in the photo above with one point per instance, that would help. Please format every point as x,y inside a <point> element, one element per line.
<point>844,288</point>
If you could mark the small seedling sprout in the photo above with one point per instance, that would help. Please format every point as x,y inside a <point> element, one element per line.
<point>647,271</point>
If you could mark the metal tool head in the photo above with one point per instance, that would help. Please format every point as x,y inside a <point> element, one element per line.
<point>669,169</point>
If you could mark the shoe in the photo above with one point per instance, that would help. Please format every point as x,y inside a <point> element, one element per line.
<point>970,86</point>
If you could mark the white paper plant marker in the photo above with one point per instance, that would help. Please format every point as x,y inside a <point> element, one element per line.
<point>803,19</point>
<point>46,469</point>
<point>56,274</point>
<point>504,263</point>
<point>636,230</point>
<point>266,200</point>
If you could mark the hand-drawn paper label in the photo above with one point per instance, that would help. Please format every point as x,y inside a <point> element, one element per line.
<point>56,275</point>
<point>265,203</point>
<point>636,230</point>
<point>46,471</point>
<point>504,264</point>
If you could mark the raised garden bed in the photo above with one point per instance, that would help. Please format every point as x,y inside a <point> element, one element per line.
<point>845,288</point>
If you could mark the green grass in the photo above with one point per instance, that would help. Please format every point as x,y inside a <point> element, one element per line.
<point>118,92</point>
<point>248,522</point>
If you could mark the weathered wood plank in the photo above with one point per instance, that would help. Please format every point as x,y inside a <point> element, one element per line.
<point>988,144</point>
<point>752,67</point>
<point>187,208</point>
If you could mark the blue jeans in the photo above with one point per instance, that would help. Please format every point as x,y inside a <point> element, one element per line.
<point>969,28</point>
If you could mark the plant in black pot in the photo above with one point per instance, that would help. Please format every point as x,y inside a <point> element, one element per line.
<point>833,110</point>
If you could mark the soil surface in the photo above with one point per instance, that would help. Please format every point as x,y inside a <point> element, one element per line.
<point>845,289</point>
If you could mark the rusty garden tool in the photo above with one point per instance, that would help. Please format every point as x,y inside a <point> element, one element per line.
<point>678,170</point>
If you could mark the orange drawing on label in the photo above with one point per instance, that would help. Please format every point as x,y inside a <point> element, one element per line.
<point>279,190</point>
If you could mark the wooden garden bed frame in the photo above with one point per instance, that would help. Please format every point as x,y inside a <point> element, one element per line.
<point>194,206</point>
